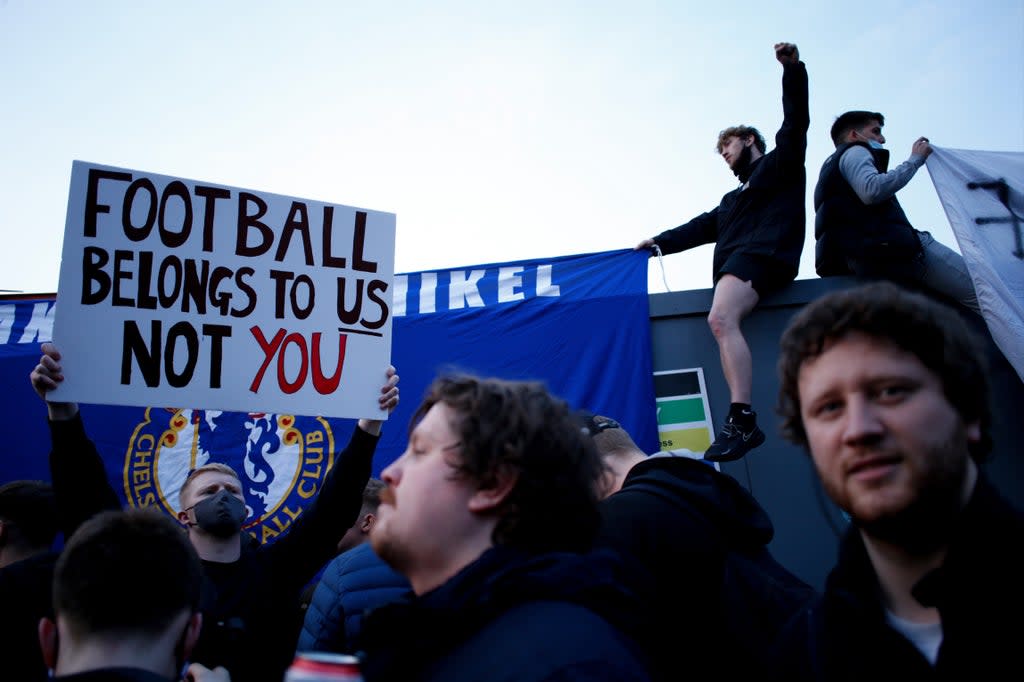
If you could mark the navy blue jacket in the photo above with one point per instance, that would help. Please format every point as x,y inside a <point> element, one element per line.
<point>352,583</point>
<point>510,617</point>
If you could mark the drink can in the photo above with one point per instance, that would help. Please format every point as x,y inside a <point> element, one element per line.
<point>320,666</point>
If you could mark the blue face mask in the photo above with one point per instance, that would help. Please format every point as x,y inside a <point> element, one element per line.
<point>874,144</point>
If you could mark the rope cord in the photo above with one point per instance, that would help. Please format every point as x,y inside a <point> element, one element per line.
<point>661,264</point>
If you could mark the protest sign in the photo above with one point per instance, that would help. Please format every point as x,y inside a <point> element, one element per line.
<point>179,292</point>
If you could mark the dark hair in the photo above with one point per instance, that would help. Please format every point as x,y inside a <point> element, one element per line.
<point>126,571</point>
<point>912,322</point>
<point>741,132</point>
<point>30,510</point>
<point>853,119</point>
<point>519,427</point>
<point>371,495</point>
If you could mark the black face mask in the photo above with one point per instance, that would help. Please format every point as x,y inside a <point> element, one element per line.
<point>220,515</point>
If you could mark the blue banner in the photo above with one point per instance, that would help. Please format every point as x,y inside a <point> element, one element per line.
<point>578,323</point>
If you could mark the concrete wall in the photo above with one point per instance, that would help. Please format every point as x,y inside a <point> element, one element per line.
<point>779,474</point>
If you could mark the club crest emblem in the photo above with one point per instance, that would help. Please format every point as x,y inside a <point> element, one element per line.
<point>281,460</point>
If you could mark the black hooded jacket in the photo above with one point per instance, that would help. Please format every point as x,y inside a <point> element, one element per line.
<point>766,216</point>
<point>679,518</point>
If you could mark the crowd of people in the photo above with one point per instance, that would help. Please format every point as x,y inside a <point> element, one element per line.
<point>520,538</point>
<point>758,231</point>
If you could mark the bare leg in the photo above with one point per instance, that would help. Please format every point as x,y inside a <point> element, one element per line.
<point>733,300</point>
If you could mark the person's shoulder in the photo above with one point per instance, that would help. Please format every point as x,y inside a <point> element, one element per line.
<point>573,629</point>
<point>572,634</point>
<point>671,460</point>
<point>991,510</point>
<point>360,557</point>
<point>113,674</point>
<point>668,472</point>
<point>853,150</point>
<point>28,580</point>
<point>552,640</point>
<point>33,565</point>
<point>362,565</point>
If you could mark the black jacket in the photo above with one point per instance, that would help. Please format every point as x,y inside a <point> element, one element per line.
<point>678,517</point>
<point>114,675</point>
<point>766,217</point>
<point>847,229</point>
<point>248,605</point>
<point>978,591</point>
<point>25,597</point>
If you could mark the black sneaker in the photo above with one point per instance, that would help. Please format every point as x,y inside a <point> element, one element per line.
<point>733,442</point>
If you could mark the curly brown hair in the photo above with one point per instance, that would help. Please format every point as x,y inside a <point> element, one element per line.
<point>740,131</point>
<point>910,321</point>
<point>519,426</point>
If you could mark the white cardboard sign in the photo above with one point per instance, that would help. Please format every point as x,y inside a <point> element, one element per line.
<point>181,293</point>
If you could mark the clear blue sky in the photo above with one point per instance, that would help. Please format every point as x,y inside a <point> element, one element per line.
<point>494,131</point>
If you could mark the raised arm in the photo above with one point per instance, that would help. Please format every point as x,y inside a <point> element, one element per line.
<point>787,53</point>
<point>79,478</point>
<point>45,377</point>
<point>387,401</point>
<point>313,538</point>
<point>791,140</point>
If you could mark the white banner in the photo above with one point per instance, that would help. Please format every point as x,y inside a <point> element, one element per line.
<point>983,196</point>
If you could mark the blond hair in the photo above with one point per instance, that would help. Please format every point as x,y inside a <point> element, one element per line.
<point>212,466</point>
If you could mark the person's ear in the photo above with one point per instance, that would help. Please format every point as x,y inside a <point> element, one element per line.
<point>368,520</point>
<point>192,630</point>
<point>186,643</point>
<point>49,642</point>
<point>491,496</point>
<point>974,431</point>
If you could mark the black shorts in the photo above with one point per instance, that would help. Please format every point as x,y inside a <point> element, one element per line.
<point>765,274</point>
